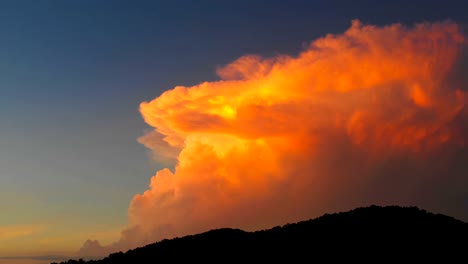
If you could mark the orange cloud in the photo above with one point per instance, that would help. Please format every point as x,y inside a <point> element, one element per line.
<point>367,116</point>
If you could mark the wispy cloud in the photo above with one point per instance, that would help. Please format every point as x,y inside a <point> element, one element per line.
<point>17,231</point>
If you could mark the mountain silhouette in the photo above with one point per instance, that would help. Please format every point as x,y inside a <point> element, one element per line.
<point>372,234</point>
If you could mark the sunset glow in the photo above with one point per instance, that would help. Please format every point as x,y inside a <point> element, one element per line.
<point>124,123</point>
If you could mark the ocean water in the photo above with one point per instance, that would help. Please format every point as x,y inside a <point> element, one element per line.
<point>25,261</point>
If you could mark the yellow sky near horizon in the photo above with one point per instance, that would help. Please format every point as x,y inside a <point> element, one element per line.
<point>39,240</point>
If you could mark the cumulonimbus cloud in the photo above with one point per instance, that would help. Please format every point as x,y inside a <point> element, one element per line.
<point>376,115</point>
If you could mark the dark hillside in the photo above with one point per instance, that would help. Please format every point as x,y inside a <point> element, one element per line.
<point>373,233</point>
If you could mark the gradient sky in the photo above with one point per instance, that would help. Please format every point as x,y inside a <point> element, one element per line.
<point>72,76</point>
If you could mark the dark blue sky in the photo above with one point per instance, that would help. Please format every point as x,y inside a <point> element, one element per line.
<point>73,73</point>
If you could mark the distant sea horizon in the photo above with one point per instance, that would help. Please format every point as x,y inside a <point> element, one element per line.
<point>30,260</point>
